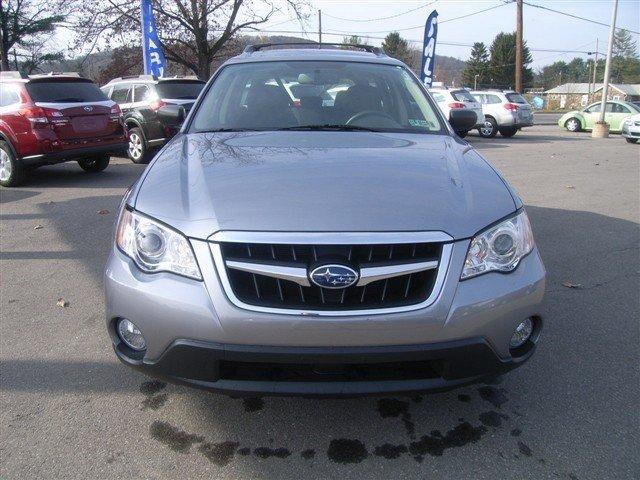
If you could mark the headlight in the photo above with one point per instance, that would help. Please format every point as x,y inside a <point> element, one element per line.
<point>155,247</point>
<point>499,248</point>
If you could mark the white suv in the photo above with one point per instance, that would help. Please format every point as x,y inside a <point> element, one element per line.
<point>451,99</point>
<point>504,111</point>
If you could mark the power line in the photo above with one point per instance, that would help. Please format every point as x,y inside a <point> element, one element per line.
<point>422,26</point>
<point>578,17</point>
<point>380,18</point>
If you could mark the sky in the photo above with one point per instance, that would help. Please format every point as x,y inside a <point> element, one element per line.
<point>543,30</point>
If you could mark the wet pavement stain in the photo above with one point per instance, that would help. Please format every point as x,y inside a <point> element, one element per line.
<point>463,397</point>
<point>308,454</point>
<point>244,451</point>
<point>391,407</point>
<point>344,450</point>
<point>524,449</point>
<point>219,453</point>
<point>390,451</point>
<point>460,436</point>
<point>516,432</point>
<point>154,402</point>
<point>152,387</point>
<point>253,404</point>
<point>173,437</point>
<point>492,418</point>
<point>495,396</point>
<point>266,452</point>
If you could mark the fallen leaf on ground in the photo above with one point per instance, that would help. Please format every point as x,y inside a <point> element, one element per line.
<point>103,212</point>
<point>38,227</point>
<point>62,303</point>
<point>572,285</point>
<point>570,186</point>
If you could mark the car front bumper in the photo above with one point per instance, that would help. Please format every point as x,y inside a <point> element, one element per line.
<point>195,335</point>
<point>630,131</point>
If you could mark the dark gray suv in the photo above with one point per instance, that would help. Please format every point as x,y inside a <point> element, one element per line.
<point>316,228</point>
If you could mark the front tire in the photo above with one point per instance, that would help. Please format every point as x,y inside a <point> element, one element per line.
<point>138,151</point>
<point>508,132</point>
<point>94,164</point>
<point>631,140</point>
<point>11,171</point>
<point>573,125</point>
<point>489,129</point>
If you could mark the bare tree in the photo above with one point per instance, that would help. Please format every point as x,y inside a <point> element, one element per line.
<point>23,22</point>
<point>193,32</point>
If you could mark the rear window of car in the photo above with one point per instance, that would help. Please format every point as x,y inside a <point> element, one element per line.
<point>179,90</point>
<point>515,98</point>
<point>65,92</point>
<point>463,96</point>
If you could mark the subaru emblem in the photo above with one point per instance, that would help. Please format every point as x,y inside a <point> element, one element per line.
<point>333,276</point>
<point>88,109</point>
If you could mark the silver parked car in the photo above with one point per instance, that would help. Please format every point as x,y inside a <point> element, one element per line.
<point>504,111</point>
<point>309,247</point>
<point>456,98</point>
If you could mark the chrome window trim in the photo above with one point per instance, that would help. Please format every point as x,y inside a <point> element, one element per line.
<point>443,267</point>
<point>330,238</point>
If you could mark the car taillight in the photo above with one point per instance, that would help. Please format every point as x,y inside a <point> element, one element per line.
<point>115,113</point>
<point>36,116</point>
<point>511,106</point>
<point>455,105</point>
<point>157,104</point>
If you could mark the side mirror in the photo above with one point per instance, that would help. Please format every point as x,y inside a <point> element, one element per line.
<point>172,115</point>
<point>463,119</point>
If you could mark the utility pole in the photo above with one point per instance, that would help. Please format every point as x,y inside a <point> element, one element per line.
<point>475,81</point>
<point>595,68</point>
<point>601,129</point>
<point>320,26</point>
<point>519,46</point>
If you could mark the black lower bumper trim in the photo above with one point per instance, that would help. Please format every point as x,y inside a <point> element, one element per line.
<point>326,370</point>
<point>115,148</point>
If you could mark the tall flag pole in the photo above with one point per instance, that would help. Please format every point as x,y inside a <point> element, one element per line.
<point>429,49</point>
<point>152,54</point>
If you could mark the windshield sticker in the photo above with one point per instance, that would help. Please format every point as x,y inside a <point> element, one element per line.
<point>415,122</point>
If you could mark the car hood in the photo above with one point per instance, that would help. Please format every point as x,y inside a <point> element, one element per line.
<point>322,181</point>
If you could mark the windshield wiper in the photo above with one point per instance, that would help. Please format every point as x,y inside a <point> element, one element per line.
<point>333,127</point>
<point>217,130</point>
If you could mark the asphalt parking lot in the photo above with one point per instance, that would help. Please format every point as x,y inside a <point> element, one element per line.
<point>70,410</point>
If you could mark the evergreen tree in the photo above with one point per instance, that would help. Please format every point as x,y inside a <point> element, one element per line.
<point>625,65</point>
<point>478,65</point>
<point>503,60</point>
<point>397,47</point>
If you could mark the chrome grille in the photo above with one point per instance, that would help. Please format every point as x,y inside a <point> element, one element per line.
<point>274,275</point>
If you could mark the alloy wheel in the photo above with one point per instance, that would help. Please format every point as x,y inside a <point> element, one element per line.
<point>5,166</point>
<point>487,128</point>
<point>135,146</point>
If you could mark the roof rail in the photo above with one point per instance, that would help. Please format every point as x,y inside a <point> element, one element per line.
<point>11,74</point>
<point>368,48</point>
<point>133,77</point>
<point>55,74</point>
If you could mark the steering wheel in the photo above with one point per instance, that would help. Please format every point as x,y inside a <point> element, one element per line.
<point>387,120</point>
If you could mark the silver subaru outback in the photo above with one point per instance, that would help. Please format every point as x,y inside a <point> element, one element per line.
<point>317,228</point>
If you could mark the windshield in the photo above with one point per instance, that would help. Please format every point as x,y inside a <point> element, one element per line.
<point>65,92</point>
<point>179,90</point>
<point>316,95</point>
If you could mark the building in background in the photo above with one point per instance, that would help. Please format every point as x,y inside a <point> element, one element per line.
<point>571,96</point>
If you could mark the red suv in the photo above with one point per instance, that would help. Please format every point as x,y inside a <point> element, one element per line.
<point>48,119</point>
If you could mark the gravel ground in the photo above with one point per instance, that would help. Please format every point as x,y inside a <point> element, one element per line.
<point>70,410</point>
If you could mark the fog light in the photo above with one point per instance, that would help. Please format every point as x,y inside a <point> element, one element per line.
<point>522,334</point>
<point>131,335</point>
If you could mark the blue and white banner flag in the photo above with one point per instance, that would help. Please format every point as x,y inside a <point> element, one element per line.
<point>154,61</point>
<point>429,49</point>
